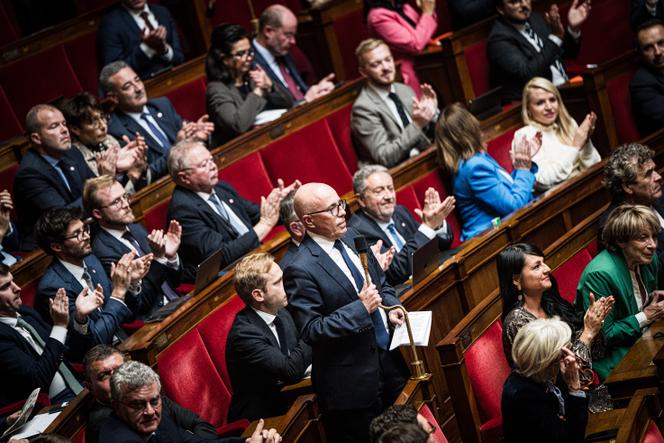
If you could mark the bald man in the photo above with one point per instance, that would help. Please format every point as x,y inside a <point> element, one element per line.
<point>338,314</point>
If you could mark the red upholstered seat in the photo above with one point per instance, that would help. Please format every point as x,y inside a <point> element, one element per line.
<point>8,32</point>
<point>487,370</point>
<point>25,82</point>
<point>339,123</point>
<point>438,436</point>
<point>28,293</point>
<point>478,67</point>
<point>407,197</point>
<point>653,434</point>
<point>593,248</point>
<point>499,148</point>
<point>82,54</point>
<point>249,177</point>
<point>310,155</point>
<point>155,217</point>
<point>79,437</point>
<point>189,99</point>
<point>434,180</point>
<point>10,125</point>
<point>568,274</point>
<point>350,30</point>
<point>617,89</point>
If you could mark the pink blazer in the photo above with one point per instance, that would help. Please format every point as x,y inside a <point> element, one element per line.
<point>404,40</point>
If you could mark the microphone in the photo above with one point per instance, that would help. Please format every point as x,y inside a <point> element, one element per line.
<point>362,249</point>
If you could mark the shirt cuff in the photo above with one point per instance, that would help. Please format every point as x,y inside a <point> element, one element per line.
<point>579,394</point>
<point>575,34</point>
<point>169,53</point>
<point>59,333</point>
<point>118,300</point>
<point>427,231</point>
<point>555,39</point>
<point>173,263</point>
<point>82,328</point>
<point>148,51</point>
<point>642,319</point>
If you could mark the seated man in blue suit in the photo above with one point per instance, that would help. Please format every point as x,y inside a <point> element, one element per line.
<point>62,234</point>
<point>51,173</point>
<point>380,219</point>
<point>142,35</point>
<point>277,27</point>
<point>354,374</point>
<point>107,202</point>
<point>156,120</point>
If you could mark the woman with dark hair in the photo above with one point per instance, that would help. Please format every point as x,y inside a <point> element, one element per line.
<point>238,89</point>
<point>405,30</point>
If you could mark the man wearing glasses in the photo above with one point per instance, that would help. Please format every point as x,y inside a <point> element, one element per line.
<point>212,214</point>
<point>337,311</point>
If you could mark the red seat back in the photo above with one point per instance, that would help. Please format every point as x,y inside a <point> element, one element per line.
<point>79,437</point>
<point>568,274</point>
<point>10,126</point>
<point>249,177</point>
<point>28,293</point>
<point>339,123</point>
<point>653,434</point>
<point>82,54</point>
<point>350,30</point>
<point>487,370</point>
<point>407,197</point>
<point>8,32</point>
<point>478,67</point>
<point>189,99</point>
<point>438,436</point>
<point>617,89</point>
<point>156,216</point>
<point>499,148</point>
<point>434,180</point>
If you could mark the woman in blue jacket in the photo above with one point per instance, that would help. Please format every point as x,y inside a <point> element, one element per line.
<point>482,188</point>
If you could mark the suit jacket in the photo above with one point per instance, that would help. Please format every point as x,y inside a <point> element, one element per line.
<point>205,232</point>
<point>376,132</point>
<point>289,256</point>
<point>109,250</point>
<point>116,431</point>
<point>529,409</point>
<point>257,367</point>
<point>607,274</point>
<point>104,322</point>
<point>169,121</point>
<point>399,270</point>
<point>483,192</point>
<point>21,368</point>
<point>513,60</point>
<point>332,319</point>
<point>640,14</point>
<point>38,187</point>
<point>290,65</point>
<point>234,114</point>
<point>647,93</point>
<point>119,38</point>
<point>467,12</point>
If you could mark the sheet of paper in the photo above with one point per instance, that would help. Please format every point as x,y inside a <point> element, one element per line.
<point>420,324</point>
<point>268,116</point>
<point>37,425</point>
<point>26,410</point>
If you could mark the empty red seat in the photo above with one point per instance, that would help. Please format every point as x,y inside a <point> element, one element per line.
<point>478,67</point>
<point>407,197</point>
<point>568,274</point>
<point>653,434</point>
<point>617,88</point>
<point>339,123</point>
<point>7,177</point>
<point>499,148</point>
<point>249,177</point>
<point>10,125</point>
<point>82,54</point>
<point>350,30</point>
<point>155,217</point>
<point>189,99</point>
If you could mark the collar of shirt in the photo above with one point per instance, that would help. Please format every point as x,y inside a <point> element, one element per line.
<point>382,92</point>
<point>51,160</point>
<point>326,244</point>
<point>381,224</point>
<point>117,233</point>
<point>10,321</point>
<point>205,195</point>
<point>138,14</point>
<point>266,316</point>
<point>137,115</point>
<point>270,60</point>
<point>75,270</point>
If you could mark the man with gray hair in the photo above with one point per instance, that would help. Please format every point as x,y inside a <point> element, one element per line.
<point>384,222</point>
<point>293,225</point>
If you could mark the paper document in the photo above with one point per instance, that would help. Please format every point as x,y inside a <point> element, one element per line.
<point>26,410</point>
<point>37,425</point>
<point>420,324</point>
<point>268,116</point>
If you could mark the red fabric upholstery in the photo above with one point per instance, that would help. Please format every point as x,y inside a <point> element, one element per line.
<point>438,436</point>
<point>499,148</point>
<point>8,32</point>
<point>434,180</point>
<point>249,177</point>
<point>487,370</point>
<point>617,89</point>
<point>240,13</point>
<point>309,155</point>
<point>28,293</point>
<point>478,67</point>
<point>42,401</point>
<point>25,82</point>
<point>350,31</point>
<point>339,123</point>
<point>79,437</point>
<point>568,274</point>
<point>7,177</point>
<point>236,428</point>
<point>82,54</point>
<point>653,434</point>
<point>155,217</point>
<point>10,126</point>
<point>189,99</point>
<point>408,198</point>
<point>593,248</point>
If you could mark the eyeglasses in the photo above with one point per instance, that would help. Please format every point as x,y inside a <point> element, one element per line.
<point>242,54</point>
<point>98,121</point>
<point>335,210</point>
<point>205,164</point>
<point>117,203</point>
<point>79,234</point>
<point>141,405</point>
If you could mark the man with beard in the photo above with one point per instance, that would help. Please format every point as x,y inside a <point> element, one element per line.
<point>388,123</point>
<point>647,86</point>
<point>523,44</point>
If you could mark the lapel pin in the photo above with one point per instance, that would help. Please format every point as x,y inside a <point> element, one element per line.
<point>160,115</point>
<point>94,271</point>
<point>71,168</point>
<point>230,200</point>
<point>403,224</point>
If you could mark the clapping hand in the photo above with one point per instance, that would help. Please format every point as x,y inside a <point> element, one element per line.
<point>553,19</point>
<point>88,303</point>
<point>6,207</point>
<point>59,308</point>
<point>585,130</point>
<point>593,320</point>
<point>384,258</point>
<point>578,13</point>
<point>166,244</point>
<point>434,212</point>
<point>260,79</point>
<point>569,369</point>
<point>521,154</point>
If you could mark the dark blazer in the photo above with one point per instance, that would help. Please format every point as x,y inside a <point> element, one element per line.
<point>333,320</point>
<point>38,187</point>
<point>467,12</point>
<point>405,224</point>
<point>640,14</point>
<point>109,250</point>
<point>162,110</point>
<point>119,38</point>
<point>204,232</point>
<point>513,60</point>
<point>290,65</point>
<point>529,410</point>
<point>257,367</point>
<point>21,368</point>
<point>289,256</point>
<point>647,93</point>
<point>116,431</point>
<point>104,322</point>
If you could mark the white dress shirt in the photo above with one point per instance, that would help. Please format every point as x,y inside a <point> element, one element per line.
<point>148,51</point>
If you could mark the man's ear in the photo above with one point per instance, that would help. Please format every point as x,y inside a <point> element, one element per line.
<point>183,178</point>
<point>257,296</point>
<point>35,138</point>
<point>307,221</point>
<point>96,214</point>
<point>361,70</point>
<point>627,189</point>
<point>56,247</point>
<point>360,200</point>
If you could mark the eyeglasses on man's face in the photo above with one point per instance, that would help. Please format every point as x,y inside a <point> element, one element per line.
<point>79,234</point>
<point>335,209</point>
<point>117,203</point>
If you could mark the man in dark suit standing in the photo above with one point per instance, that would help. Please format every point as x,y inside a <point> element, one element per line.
<point>142,35</point>
<point>62,234</point>
<point>380,219</point>
<point>156,120</point>
<point>354,374</point>
<point>277,27</point>
<point>106,201</point>
<point>33,354</point>
<point>647,86</point>
<point>293,225</point>
<point>263,350</point>
<point>51,173</point>
<point>523,44</point>
<point>212,214</point>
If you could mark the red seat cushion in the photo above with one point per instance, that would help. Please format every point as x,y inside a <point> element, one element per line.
<point>487,370</point>
<point>189,99</point>
<point>156,216</point>
<point>478,67</point>
<point>25,81</point>
<point>10,125</point>
<point>653,434</point>
<point>568,274</point>
<point>350,30</point>
<point>339,123</point>
<point>438,436</point>
<point>310,155</point>
<point>617,89</point>
<point>7,177</point>
<point>249,177</point>
<point>82,54</point>
<point>499,148</point>
<point>434,180</point>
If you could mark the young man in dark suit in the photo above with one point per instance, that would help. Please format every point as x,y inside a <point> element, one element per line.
<point>647,86</point>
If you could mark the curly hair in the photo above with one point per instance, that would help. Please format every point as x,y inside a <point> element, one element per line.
<point>623,166</point>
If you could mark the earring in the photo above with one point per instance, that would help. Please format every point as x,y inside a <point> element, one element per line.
<point>519,294</point>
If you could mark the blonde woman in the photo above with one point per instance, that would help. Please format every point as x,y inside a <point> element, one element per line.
<point>562,147</point>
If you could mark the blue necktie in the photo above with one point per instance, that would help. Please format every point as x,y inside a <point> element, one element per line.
<point>161,138</point>
<point>398,243</point>
<point>382,338</point>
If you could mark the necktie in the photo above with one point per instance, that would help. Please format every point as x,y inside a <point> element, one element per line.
<point>398,243</point>
<point>557,64</point>
<point>281,333</point>
<point>555,390</point>
<point>382,338</point>
<point>88,279</point>
<point>400,109</point>
<point>223,213</point>
<point>64,371</point>
<point>156,131</point>
<point>290,81</point>
<point>148,23</point>
<point>120,334</point>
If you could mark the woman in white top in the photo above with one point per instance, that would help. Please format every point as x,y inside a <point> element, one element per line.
<point>565,148</point>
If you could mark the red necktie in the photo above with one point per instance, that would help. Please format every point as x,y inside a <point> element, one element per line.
<point>290,81</point>
<point>148,23</point>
